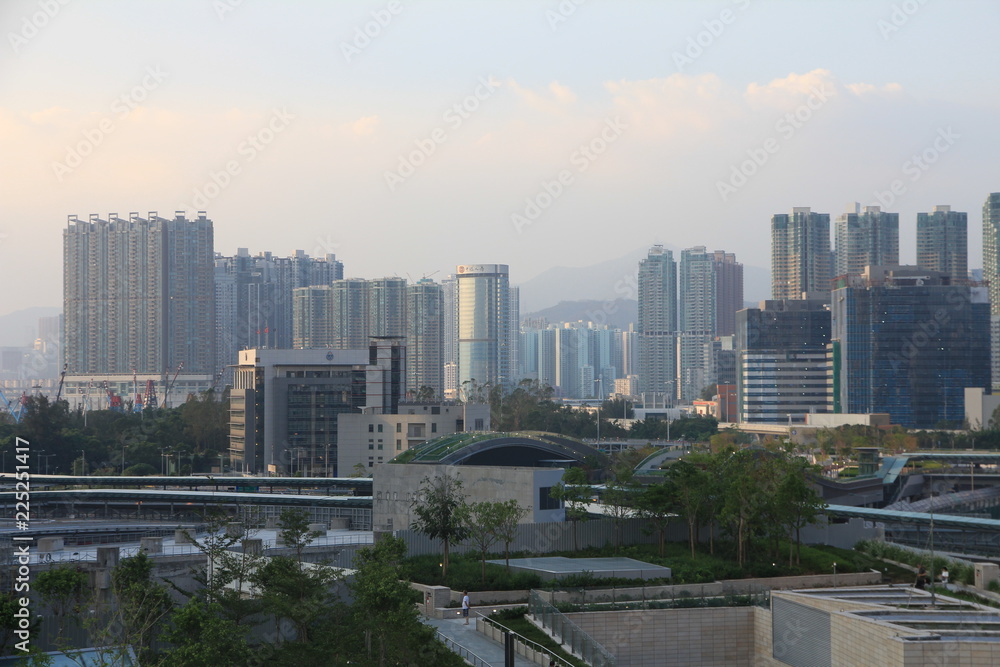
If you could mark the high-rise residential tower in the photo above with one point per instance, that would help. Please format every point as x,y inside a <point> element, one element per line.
<point>728,291</point>
<point>943,243</point>
<point>139,295</point>
<point>865,238</point>
<point>425,337</point>
<point>697,300</point>
<point>801,262</point>
<point>485,332</point>
<point>658,324</point>
<point>991,275</point>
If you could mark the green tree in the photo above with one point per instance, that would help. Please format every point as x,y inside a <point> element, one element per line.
<point>481,521</point>
<point>202,637</point>
<point>575,492</point>
<point>619,499</point>
<point>799,503</point>
<point>64,589</point>
<point>294,531</point>
<point>656,504</point>
<point>688,483</point>
<point>385,614</point>
<point>508,516</point>
<point>440,509</point>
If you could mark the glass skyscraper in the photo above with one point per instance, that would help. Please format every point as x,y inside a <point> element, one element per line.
<point>486,349</point>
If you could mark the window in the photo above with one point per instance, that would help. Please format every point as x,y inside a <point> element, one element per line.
<point>479,424</point>
<point>434,427</point>
<point>399,427</point>
<point>371,428</point>
<point>435,410</point>
<point>380,445</point>
<point>371,445</point>
<point>545,499</point>
<point>380,428</point>
<point>399,446</point>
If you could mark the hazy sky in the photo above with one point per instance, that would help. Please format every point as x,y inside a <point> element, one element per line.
<point>407,152</point>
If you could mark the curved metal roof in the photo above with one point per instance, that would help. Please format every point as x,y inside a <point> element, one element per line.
<point>457,448</point>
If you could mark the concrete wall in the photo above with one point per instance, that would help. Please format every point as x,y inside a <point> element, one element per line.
<point>674,637</point>
<point>395,487</point>
<point>979,407</point>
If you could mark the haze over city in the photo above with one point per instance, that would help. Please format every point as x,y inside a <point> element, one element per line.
<point>425,142</point>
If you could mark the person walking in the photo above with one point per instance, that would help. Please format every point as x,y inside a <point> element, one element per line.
<point>465,606</point>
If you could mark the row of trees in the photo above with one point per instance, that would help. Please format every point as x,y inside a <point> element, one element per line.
<point>758,498</point>
<point>188,438</point>
<point>218,624</point>
<point>442,513</point>
<point>530,407</point>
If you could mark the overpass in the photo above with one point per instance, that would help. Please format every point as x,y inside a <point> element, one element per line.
<point>361,486</point>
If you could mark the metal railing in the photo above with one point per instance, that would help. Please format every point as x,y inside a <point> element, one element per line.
<point>461,651</point>
<point>569,633</point>
<point>534,646</point>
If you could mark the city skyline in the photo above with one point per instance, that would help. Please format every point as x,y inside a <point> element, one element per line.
<point>309,138</point>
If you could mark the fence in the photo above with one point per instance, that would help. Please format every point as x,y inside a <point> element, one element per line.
<point>461,651</point>
<point>522,645</point>
<point>568,633</point>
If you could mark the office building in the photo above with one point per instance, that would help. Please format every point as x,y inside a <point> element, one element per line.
<point>942,243</point>
<point>425,337</point>
<point>371,438</point>
<point>285,404</point>
<point>138,295</point>
<point>782,366</point>
<point>657,326</point>
<point>863,238</point>
<point>908,342</point>
<point>801,261</point>
<point>486,334</point>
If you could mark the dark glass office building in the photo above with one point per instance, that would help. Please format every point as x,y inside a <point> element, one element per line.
<point>782,363</point>
<point>907,342</point>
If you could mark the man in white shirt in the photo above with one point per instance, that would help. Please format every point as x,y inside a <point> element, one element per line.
<point>465,606</point>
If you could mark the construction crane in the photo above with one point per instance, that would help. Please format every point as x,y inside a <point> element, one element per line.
<point>114,402</point>
<point>166,392</point>
<point>16,410</point>
<point>137,402</point>
<point>151,402</point>
<point>62,378</point>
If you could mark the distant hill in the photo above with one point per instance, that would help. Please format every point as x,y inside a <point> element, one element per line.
<point>616,312</point>
<point>20,328</point>
<point>612,280</point>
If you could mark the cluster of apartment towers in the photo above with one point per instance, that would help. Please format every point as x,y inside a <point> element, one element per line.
<point>148,296</point>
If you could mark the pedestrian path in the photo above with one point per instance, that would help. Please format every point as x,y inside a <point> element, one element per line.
<point>489,651</point>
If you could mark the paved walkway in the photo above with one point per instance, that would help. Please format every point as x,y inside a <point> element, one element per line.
<point>478,643</point>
